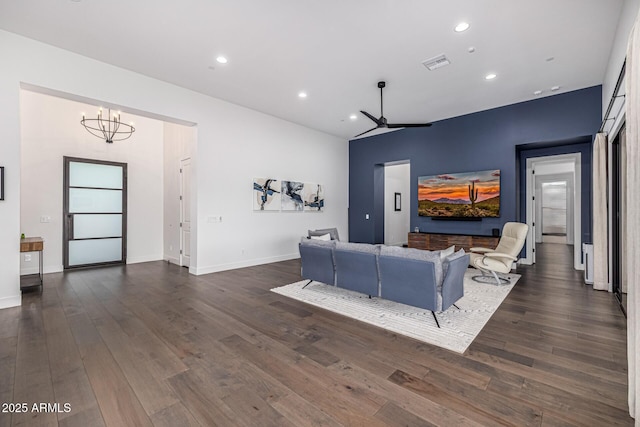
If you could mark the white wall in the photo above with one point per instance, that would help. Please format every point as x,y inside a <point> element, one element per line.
<point>618,50</point>
<point>178,140</point>
<point>396,224</point>
<point>50,129</point>
<point>234,145</point>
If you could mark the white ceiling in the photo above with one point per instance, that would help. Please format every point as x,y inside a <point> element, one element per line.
<point>337,50</point>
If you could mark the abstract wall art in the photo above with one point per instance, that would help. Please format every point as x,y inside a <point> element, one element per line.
<point>291,197</point>
<point>266,194</point>
<point>313,196</point>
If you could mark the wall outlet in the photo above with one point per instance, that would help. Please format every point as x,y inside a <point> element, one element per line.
<point>45,218</point>
<point>27,257</point>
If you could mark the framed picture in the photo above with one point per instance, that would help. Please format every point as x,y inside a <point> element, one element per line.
<point>266,194</point>
<point>291,197</point>
<point>1,182</point>
<point>313,197</point>
<point>397,206</point>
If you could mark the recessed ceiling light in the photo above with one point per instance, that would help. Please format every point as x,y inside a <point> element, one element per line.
<point>353,117</point>
<point>538,92</point>
<point>555,88</point>
<point>490,76</point>
<point>471,49</point>
<point>549,59</point>
<point>463,26</point>
<point>302,95</point>
<point>222,59</point>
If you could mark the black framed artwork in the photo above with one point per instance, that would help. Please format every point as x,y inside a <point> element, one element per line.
<point>1,182</point>
<point>397,206</point>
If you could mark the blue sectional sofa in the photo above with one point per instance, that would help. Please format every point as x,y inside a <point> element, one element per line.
<point>414,277</point>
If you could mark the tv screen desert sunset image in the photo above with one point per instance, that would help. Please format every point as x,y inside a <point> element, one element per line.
<point>464,195</point>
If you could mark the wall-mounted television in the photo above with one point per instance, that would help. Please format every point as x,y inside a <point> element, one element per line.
<point>460,195</point>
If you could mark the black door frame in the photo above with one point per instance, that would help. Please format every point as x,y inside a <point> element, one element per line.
<point>616,205</point>
<point>67,216</point>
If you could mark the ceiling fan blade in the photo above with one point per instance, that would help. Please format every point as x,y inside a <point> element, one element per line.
<point>408,125</point>
<point>366,131</point>
<point>376,121</point>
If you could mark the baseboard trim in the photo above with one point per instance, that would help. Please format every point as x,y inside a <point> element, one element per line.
<point>172,260</point>
<point>146,258</point>
<point>8,302</point>
<point>242,264</point>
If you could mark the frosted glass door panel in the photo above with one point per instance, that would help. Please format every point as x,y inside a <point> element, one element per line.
<point>84,200</point>
<point>554,208</point>
<point>93,226</point>
<point>94,251</point>
<point>95,175</point>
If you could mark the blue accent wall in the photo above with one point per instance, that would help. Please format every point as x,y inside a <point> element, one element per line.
<point>478,141</point>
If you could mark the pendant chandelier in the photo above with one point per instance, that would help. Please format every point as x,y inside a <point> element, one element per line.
<point>109,128</point>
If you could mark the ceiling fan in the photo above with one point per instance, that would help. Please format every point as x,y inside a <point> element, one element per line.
<point>382,121</point>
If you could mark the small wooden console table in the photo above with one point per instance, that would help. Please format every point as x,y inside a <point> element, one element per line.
<point>32,244</point>
<point>439,241</point>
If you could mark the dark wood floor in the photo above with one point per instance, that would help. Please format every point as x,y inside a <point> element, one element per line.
<point>151,345</point>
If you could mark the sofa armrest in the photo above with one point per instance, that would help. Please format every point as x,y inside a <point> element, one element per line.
<point>453,283</point>
<point>500,255</point>
<point>481,250</point>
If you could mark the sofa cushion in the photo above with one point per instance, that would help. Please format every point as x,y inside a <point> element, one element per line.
<point>325,237</point>
<point>333,232</point>
<point>417,254</point>
<point>331,244</point>
<point>358,247</point>
<point>446,252</point>
<point>448,259</point>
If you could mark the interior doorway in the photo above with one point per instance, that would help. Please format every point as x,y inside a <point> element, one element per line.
<point>554,203</point>
<point>397,203</point>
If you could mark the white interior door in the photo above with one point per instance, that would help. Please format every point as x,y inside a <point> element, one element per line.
<point>532,228</point>
<point>185,212</point>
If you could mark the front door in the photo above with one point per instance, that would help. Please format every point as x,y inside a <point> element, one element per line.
<point>95,212</point>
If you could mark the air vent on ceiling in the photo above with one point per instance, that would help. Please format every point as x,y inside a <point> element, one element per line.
<point>436,62</point>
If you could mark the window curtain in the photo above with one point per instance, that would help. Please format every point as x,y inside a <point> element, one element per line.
<point>632,216</point>
<point>600,220</point>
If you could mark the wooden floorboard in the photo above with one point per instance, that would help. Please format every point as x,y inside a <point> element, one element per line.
<point>150,344</point>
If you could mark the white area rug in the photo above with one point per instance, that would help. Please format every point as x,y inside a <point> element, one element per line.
<point>458,328</point>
